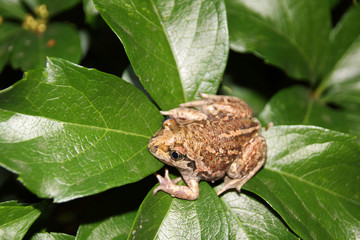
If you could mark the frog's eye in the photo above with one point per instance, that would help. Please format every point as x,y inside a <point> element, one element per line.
<point>175,155</point>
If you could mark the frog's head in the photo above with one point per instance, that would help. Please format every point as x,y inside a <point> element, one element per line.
<point>166,145</point>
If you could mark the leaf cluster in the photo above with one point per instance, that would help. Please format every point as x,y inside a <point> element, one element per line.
<point>70,133</point>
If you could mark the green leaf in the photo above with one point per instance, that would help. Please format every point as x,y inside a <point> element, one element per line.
<point>12,9</point>
<point>130,76</point>
<point>115,227</point>
<point>289,34</point>
<point>91,13</point>
<point>16,219</point>
<point>164,217</point>
<point>59,40</point>
<point>176,49</point>
<point>344,52</point>
<point>312,178</point>
<point>294,105</point>
<point>9,32</point>
<point>343,74</point>
<point>53,6</point>
<point>250,218</point>
<point>335,103</point>
<point>333,3</point>
<point>52,236</point>
<point>112,215</point>
<point>345,95</point>
<point>71,132</point>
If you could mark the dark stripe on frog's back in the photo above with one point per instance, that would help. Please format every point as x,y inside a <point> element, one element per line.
<point>220,142</point>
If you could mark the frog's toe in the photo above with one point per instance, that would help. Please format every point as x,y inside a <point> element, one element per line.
<point>176,180</point>
<point>231,184</point>
<point>238,188</point>
<point>158,188</point>
<point>165,182</point>
<point>222,190</point>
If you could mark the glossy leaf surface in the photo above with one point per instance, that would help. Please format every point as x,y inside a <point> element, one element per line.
<point>251,219</point>
<point>290,34</point>
<point>59,40</point>
<point>175,49</point>
<point>115,227</point>
<point>343,75</point>
<point>71,131</point>
<point>164,217</point>
<point>294,106</point>
<point>311,178</point>
<point>52,236</point>
<point>16,219</point>
<point>344,52</point>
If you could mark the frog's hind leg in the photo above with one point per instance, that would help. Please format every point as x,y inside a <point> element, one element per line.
<point>230,184</point>
<point>237,183</point>
<point>244,168</point>
<point>217,104</point>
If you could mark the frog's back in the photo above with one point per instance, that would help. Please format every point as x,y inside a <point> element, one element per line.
<point>216,143</point>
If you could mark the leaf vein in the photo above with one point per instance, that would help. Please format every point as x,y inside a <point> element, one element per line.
<point>283,174</point>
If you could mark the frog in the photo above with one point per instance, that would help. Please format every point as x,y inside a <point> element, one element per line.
<point>211,138</point>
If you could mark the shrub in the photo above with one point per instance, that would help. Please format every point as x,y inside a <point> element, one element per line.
<point>79,136</point>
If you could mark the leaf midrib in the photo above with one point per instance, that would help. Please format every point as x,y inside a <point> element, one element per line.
<point>285,174</point>
<point>150,52</point>
<point>106,129</point>
<point>172,51</point>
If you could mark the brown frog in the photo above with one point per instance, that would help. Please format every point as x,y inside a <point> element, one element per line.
<point>219,139</point>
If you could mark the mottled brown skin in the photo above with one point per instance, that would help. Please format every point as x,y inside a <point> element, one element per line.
<point>220,139</point>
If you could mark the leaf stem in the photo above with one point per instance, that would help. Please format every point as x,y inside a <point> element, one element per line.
<point>308,111</point>
<point>320,89</point>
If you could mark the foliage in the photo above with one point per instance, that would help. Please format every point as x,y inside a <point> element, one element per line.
<point>27,38</point>
<point>70,132</point>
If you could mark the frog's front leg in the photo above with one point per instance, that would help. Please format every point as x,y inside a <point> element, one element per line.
<point>189,192</point>
<point>245,167</point>
<point>217,104</point>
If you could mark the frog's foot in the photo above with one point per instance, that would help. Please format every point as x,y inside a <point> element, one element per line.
<point>247,165</point>
<point>190,192</point>
<point>232,183</point>
<point>217,104</point>
<point>165,182</point>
